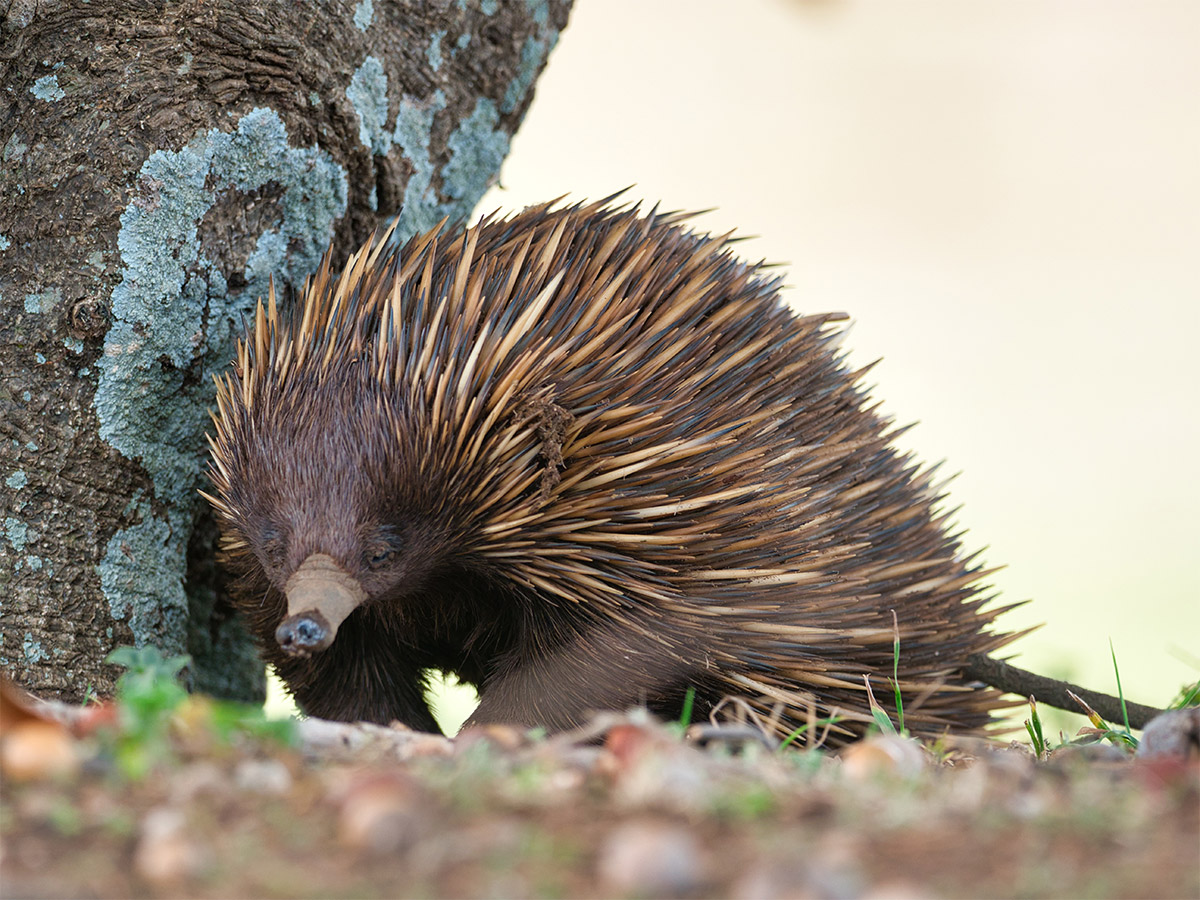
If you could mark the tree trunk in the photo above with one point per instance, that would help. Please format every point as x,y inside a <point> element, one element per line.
<point>159,161</point>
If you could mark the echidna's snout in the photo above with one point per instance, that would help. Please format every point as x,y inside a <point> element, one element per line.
<point>320,595</point>
<point>305,634</point>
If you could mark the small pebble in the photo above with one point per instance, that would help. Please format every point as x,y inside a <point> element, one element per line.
<point>1175,733</point>
<point>503,736</point>
<point>38,749</point>
<point>166,855</point>
<point>197,779</point>
<point>427,745</point>
<point>263,776</point>
<point>652,769</point>
<point>650,859</point>
<point>887,754</point>
<point>379,813</point>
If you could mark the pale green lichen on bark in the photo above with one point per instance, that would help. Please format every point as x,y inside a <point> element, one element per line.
<point>18,535</point>
<point>533,53</point>
<point>43,302</point>
<point>434,53</point>
<point>16,532</point>
<point>364,13</point>
<point>14,149</point>
<point>367,93</point>
<point>141,576</point>
<point>539,10</point>
<point>477,147</point>
<point>33,649</point>
<point>47,88</point>
<point>420,210</point>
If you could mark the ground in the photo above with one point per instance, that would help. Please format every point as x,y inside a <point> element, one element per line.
<point>188,799</point>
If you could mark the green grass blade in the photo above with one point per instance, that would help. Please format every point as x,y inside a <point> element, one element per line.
<point>1033,739</point>
<point>896,672</point>
<point>685,714</point>
<point>1034,726</point>
<point>1120,692</point>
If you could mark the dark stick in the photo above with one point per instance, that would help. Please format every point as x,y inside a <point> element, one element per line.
<point>1052,692</point>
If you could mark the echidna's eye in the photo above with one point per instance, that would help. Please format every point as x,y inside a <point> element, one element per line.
<point>380,555</point>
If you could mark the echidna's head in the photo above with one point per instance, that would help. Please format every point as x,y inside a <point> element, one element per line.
<point>326,491</point>
<point>317,502</point>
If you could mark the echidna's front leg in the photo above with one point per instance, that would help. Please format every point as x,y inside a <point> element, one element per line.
<point>613,668</point>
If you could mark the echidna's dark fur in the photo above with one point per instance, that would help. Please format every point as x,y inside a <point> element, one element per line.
<point>586,459</point>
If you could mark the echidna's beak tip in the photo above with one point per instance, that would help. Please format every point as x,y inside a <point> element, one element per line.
<point>305,634</point>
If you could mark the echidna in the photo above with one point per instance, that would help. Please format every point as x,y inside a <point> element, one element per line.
<point>584,458</point>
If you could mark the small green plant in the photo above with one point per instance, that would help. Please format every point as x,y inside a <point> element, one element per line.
<point>148,688</point>
<point>151,703</point>
<point>1034,726</point>
<point>1123,737</point>
<point>147,694</point>
<point>878,716</point>
<point>1189,695</point>
<point>896,673</point>
<point>881,719</point>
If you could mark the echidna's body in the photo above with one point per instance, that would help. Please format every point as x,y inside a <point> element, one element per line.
<point>584,459</point>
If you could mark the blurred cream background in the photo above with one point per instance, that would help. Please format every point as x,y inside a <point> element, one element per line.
<point>1006,198</point>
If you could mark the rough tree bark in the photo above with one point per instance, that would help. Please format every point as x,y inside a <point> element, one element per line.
<point>159,161</point>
